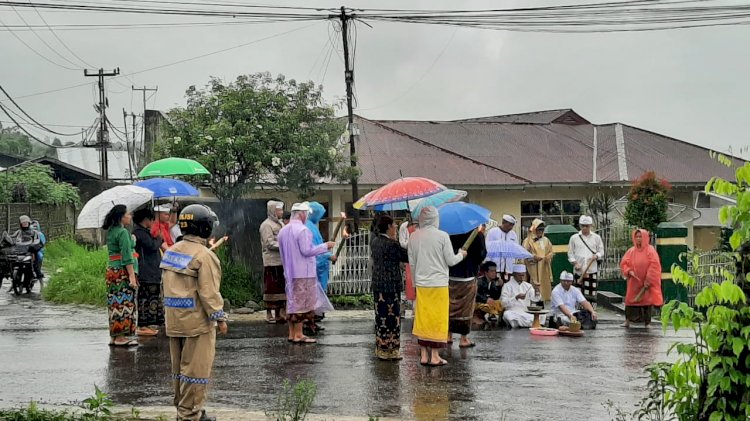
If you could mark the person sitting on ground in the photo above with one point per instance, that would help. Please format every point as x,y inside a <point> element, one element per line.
<point>517,296</point>
<point>565,299</point>
<point>489,289</point>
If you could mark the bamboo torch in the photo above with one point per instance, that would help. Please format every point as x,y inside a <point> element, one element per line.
<point>471,239</point>
<point>341,244</point>
<point>338,226</point>
<point>215,244</point>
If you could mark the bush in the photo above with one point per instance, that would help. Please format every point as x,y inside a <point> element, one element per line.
<point>238,283</point>
<point>76,273</point>
<point>647,202</point>
<point>294,401</point>
<point>364,301</point>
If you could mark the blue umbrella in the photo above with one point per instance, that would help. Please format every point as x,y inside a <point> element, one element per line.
<point>462,217</point>
<point>168,187</point>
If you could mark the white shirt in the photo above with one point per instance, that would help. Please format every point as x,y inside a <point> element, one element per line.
<point>570,298</point>
<point>403,234</point>
<point>506,265</point>
<point>579,253</point>
<point>430,256</point>
<point>511,289</point>
<point>175,232</point>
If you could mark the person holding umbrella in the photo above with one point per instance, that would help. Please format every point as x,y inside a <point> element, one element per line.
<point>463,287</point>
<point>121,278</point>
<point>150,302</point>
<point>430,256</point>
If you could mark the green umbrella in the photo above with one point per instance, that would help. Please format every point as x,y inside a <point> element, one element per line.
<point>173,166</point>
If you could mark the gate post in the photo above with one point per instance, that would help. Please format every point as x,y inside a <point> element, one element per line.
<point>559,236</point>
<point>671,242</point>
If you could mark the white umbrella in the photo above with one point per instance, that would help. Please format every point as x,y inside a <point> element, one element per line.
<point>93,213</point>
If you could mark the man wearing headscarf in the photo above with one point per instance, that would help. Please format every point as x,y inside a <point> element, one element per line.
<point>430,256</point>
<point>539,266</point>
<point>585,249</point>
<point>274,293</point>
<point>516,297</point>
<point>503,233</point>
<point>565,302</point>
<point>160,229</point>
<point>304,294</point>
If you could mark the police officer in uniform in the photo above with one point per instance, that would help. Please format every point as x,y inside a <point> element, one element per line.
<point>193,307</point>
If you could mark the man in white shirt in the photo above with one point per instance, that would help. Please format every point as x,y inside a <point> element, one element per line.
<point>517,295</point>
<point>566,298</point>
<point>585,249</point>
<point>505,266</point>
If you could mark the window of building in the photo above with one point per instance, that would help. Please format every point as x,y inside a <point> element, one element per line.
<point>552,212</point>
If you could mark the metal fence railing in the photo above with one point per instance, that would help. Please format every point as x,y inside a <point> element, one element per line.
<point>707,267</point>
<point>350,275</point>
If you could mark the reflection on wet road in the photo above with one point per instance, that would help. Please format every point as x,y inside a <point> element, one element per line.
<point>56,354</point>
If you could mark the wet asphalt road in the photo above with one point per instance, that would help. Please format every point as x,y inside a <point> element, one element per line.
<point>56,354</point>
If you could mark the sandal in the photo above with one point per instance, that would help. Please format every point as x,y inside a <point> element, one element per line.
<point>306,340</point>
<point>131,342</point>
<point>470,345</point>
<point>271,321</point>
<point>439,364</point>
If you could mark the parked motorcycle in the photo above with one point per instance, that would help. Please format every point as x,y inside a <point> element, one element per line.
<point>17,256</point>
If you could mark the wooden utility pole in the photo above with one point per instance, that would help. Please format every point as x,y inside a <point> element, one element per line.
<point>345,17</point>
<point>102,138</point>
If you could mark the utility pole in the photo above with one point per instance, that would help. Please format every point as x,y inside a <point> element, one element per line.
<point>144,89</point>
<point>102,140</point>
<point>127,143</point>
<point>344,17</point>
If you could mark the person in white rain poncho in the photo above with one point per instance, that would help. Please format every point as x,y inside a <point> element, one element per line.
<point>585,249</point>
<point>517,295</point>
<point>503,233</point>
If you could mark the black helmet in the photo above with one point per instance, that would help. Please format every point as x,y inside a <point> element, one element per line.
<point>198,220</point>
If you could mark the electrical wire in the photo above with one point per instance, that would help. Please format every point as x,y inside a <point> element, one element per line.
<point>38,124</point>
<point>35,51</point>
<point>20,16</point>
<point>31,136</point>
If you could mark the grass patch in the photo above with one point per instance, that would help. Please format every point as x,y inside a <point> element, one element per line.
<point>76,273</point>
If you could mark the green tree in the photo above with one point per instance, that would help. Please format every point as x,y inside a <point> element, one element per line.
<point>257,130</point>
<point>34,183</point>
<point>647,202</point>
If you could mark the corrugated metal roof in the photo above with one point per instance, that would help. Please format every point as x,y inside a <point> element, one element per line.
<point>538,153</point>
<point>564,116</point>
<point>384,155</point>
<point>88,159</point>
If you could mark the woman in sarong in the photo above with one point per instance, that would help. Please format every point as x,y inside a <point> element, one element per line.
<point>387,255</point>
<point>430,256</point>
<point>121,278</point>
<point>642,269</point>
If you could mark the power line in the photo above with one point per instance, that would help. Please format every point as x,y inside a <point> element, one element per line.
<point>20,16</point>
<point>40,125</point>
<point>34,50</point>
<point>31,136</point>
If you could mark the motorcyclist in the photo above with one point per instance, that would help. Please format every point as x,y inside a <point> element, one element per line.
<point>35,225</point>
<point>27,235</point>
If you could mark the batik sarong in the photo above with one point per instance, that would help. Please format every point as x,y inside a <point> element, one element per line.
<point>431,317</point>
<point>274,287</point>
<point>150,305</point>
<point>121,303</point>
<point>387,325</point>
<point>463,295</point>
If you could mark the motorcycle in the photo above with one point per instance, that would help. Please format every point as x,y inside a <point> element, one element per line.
<point>17,261</point>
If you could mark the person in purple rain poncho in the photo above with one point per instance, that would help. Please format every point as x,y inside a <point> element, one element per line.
<point>304,294</point>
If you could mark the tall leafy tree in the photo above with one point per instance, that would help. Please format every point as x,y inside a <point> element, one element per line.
<point>34,183</point>
<point>257,130</point>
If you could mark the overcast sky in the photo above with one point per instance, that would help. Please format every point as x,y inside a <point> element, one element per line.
<point>689,84</point>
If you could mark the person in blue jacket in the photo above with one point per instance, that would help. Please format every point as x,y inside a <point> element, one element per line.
<point>323,261</point>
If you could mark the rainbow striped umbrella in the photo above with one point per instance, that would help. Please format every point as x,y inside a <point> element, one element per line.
<point>401,190</point>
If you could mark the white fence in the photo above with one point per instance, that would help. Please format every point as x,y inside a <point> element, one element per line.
<point>706,268</point>
<point>350,275</point>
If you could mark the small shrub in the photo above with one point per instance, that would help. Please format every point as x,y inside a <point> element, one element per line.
<point>238,283</point>
<point>294,402</point>
<point>76,273</point>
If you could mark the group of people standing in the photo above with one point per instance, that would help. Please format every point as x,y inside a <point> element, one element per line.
<point>134,277</point>
<point>456,288</point>
<point>296,264</point>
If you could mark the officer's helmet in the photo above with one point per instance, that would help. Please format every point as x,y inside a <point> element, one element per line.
<point>198,220</point>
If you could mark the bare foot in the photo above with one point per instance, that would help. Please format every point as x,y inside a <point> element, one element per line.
<point>625,325</point>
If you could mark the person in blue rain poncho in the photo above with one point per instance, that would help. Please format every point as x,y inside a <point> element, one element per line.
<point>323,261</point>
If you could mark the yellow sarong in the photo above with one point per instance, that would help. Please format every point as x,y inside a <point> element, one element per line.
<point>431,314</point>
